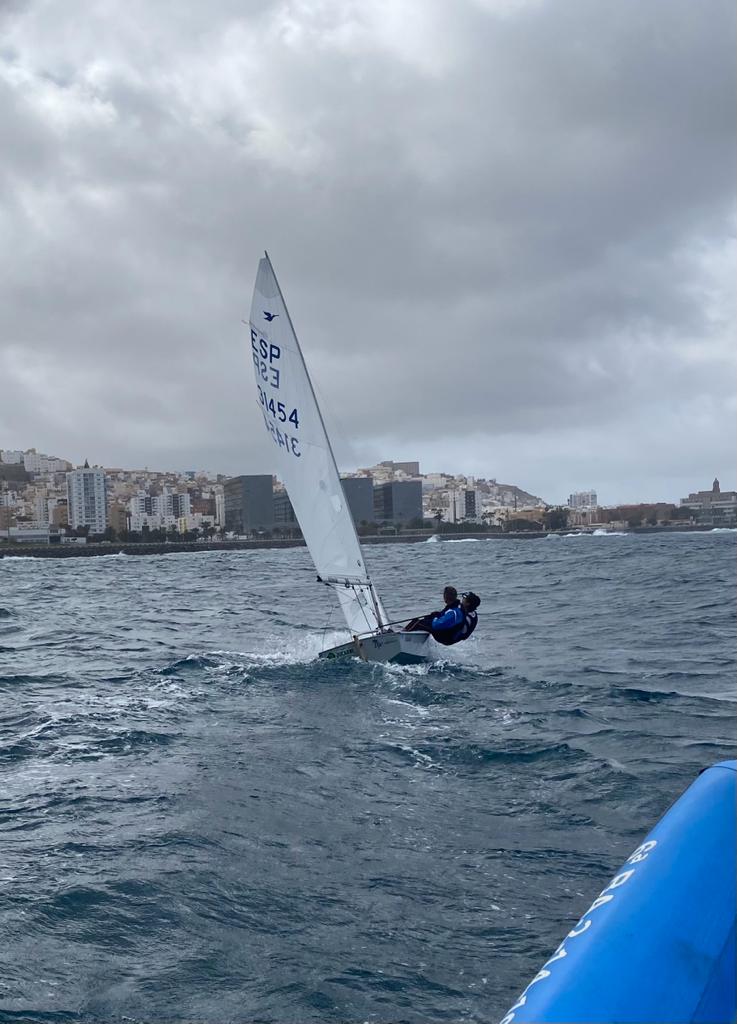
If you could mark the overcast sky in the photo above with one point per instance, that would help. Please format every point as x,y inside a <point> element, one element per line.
<point>505,230</point>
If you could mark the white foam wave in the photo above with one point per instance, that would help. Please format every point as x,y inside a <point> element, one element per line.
<point>402,671</point>
<point>609,533</point>
<point>433,540</point>
<point>278,650</point>
<point>465,540</point>
<point>417,708</point>
<point>724,529</point>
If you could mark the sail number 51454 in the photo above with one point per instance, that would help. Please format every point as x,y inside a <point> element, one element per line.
<point>277,409</point>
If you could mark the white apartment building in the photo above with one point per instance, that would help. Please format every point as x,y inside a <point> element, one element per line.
<point>11,458</point>
<point>465,505</point>
<point>138,521</point>
<point>583,500</point>
<point>41,510</point>
<point>219,507</point>
<point>153,521</point>
<point>167,505</point>
<point>35,462</point>
<point>433,481</point>
<point>86,498</point>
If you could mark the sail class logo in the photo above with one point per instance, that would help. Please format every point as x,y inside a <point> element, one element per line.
<point>270,316</point>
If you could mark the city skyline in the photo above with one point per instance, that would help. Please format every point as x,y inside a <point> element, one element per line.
<point>507,233</point>
<point>583,495</point>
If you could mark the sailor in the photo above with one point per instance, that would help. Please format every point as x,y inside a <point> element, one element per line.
<point>469,604</point>
<point>456,622</point>
<point>443,624</point>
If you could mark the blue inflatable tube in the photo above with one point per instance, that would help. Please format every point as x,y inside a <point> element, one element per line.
<point>657,944</point>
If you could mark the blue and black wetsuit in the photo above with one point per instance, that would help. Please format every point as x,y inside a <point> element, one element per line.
<point>445,628</point>
<point>461,629</point>
<point>449,626</point>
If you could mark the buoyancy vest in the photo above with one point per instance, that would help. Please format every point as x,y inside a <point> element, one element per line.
<point>469,625</point>
<point>462,631</point>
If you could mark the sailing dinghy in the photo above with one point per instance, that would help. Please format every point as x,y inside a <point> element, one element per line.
<point>304,461</point>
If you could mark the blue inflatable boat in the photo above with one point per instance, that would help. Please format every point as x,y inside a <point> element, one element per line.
<point>657,945</point>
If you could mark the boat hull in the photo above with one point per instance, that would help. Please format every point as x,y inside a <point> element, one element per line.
<point>394,648</point>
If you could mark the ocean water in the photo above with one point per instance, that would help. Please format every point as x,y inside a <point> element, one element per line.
<point>202,822</point>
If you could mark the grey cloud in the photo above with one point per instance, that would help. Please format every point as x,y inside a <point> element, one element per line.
<point>501,217</point>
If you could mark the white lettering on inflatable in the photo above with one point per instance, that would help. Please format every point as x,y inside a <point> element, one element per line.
<point>641,852</point>
<point>619,880</point>
<point>604,897</point>
<point>600,901</point>
<point>585,925</point>
<point>560,952</point>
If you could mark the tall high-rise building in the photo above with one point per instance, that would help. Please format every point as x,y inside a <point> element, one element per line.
<point>465,505</point>
<point>86,498</point>
<point>249,503</point>
<point>359,492</point>
<point>398,501</point>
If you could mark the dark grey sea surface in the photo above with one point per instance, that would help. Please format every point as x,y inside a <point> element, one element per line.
<point>202,822</point>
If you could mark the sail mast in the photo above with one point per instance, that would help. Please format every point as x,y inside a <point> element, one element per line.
<point>329,446</point>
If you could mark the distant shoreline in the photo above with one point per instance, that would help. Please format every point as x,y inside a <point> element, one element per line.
<point>20,550</point>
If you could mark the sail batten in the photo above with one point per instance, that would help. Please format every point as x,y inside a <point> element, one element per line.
<point>303,454</point>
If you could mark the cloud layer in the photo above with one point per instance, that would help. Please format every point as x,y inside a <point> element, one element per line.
<point>506,232</point>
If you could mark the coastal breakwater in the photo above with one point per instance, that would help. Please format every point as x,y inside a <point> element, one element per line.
<point>10,549</point>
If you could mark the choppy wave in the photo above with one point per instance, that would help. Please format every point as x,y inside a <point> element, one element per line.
<point>205,815</point>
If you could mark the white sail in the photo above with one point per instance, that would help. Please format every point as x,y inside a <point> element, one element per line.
<point>303,457</point>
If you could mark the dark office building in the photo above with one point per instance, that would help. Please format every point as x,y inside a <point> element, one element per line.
<point>249,504</point>
<point>359,492</point>
<point>283,511</point>
<point>398,502</point>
